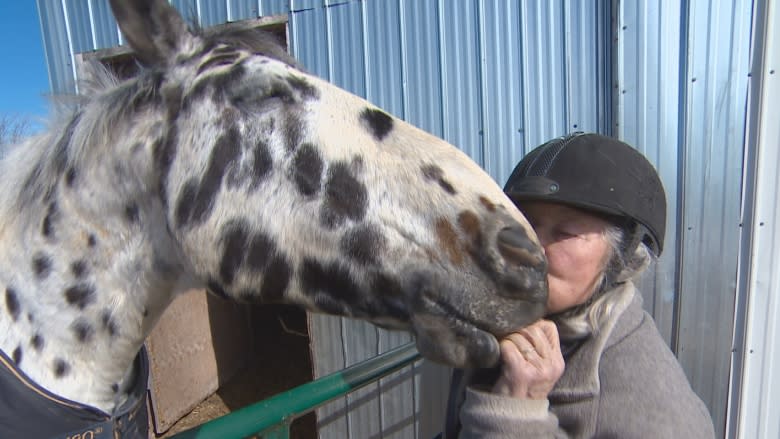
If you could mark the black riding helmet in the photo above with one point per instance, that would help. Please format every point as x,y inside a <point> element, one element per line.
<point>596,173</point>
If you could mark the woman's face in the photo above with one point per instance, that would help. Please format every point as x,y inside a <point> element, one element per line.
<point>577,251</point>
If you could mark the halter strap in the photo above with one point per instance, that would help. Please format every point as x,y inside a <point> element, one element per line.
<point>29,410</point>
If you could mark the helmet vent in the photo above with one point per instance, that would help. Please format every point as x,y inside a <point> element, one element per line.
<point>543,162</point>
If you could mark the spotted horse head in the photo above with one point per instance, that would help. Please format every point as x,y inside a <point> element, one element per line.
<point>223,165</point>
<point>279,187</point>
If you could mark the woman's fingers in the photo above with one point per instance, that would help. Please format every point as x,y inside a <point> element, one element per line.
<point>531,361</point>
<point>538,339</point>
<point>526,348</point>
<point>551,333</point>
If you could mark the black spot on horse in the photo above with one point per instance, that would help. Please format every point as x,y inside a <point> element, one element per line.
<point>41,265</point>
<point>47,226</point>
<point>487,204</point>
<point>172,99</point>
<point>306,90</point>
<point>61,368</point>
<point>80,295</point>
<point>435,173</point>
<point>293,129</point>
<point>332,280</point>
<point>235,238</point>
<point>131,213</point>
<point>78,269</point>
<point>17,355</point>
<point>432,172</point>
<point>391,297</point>
<point>109,325</point>
<point>164,151</point>
<point>262,164</point>
<point>223,155</point>
<point>37,342</point>
<point>307,169</point>
<point>115,388</point>
<point>91,241</point>
<point>37,184</point>
<point>259,252</point>
<point>345,197</point>
<point>186,202</point>
<point>61,149</point>
<point>196,203</point>
<point>12,303</point>
<point>83,331</point>
<point>377,122</point>
<point>70,176</point>
<point>447,186</point>
<point>363,244</point>
<point>276,279</point>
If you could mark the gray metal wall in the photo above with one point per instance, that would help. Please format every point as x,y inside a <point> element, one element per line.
<point>496,78</point>
<point>755,405</point>
<point>682,81</point>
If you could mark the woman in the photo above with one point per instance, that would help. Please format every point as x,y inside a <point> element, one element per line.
<point>597,366</point>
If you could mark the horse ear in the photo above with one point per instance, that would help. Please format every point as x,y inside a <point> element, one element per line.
<point>154,29</point>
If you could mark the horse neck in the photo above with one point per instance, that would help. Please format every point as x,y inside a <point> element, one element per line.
<point>86,268</point>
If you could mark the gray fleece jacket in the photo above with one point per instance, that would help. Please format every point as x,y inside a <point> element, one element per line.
<point>622,382</point>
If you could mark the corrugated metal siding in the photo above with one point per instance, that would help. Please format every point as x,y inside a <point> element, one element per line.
<point>648,96</point>
<point>756,403</point>
<point>104,29</point>
<point>496,79</point>
<point>422,72</point>
<point>57,47</point>
<point>683,88</point>
<point>717,79</point>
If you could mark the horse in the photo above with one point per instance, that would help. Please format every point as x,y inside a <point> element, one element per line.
<point>223,165</point>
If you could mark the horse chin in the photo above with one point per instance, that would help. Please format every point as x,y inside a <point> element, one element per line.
<point>455,342</point>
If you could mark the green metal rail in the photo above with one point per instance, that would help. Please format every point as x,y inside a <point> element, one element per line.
<point>271,418</point>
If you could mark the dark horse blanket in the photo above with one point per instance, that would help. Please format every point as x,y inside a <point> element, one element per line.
<point>29,411</point>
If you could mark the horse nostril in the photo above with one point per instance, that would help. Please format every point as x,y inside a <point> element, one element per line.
<point>517,248</point>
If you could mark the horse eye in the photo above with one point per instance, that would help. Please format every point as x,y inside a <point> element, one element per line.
<point>252,100</point>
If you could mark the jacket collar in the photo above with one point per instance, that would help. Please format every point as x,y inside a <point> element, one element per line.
<point>580,379</point>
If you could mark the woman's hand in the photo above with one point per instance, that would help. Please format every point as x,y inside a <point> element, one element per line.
<point>531,362</point>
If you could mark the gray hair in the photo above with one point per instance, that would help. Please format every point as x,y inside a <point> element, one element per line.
<point>622,266</point>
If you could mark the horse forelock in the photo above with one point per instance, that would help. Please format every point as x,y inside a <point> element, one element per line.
<point>250,39</point>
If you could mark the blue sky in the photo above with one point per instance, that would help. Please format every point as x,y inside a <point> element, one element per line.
<point>24,80</point>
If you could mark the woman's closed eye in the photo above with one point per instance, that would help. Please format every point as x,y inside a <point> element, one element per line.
<point>560,234</point>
